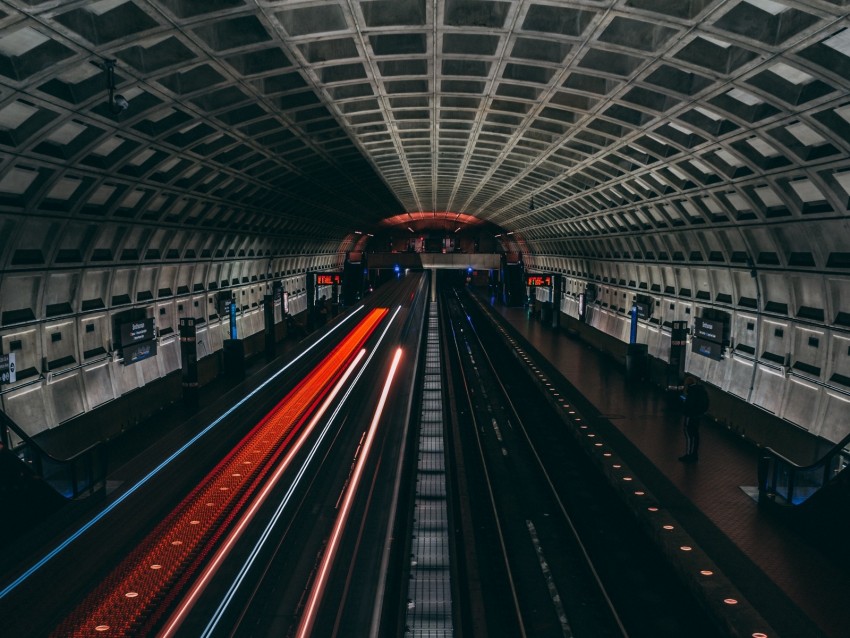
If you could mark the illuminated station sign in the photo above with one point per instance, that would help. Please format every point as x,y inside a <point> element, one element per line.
<point>538,280</point>
<point>328,279</point>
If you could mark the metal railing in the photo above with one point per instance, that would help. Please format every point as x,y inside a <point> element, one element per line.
<point>784,482</point>
<point>84,472</point>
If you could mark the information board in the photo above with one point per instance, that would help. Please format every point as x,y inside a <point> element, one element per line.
<point>136,331</point>
<point>8,373</point>
<point>708,329</point>
<point>139,351</point>
<point>538,280</point>
<point>644,310</point>
<point>328,279</point>
<point>709,349</point>
<point>138,340</point>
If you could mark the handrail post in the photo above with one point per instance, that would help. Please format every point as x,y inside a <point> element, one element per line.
<point>73,471</point>
<point>764,472</point>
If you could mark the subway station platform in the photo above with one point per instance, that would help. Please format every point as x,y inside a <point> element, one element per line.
<point>796,587</point>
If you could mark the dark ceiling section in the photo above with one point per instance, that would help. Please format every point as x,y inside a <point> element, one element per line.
<point>222,130</point>
<point>626,129</point>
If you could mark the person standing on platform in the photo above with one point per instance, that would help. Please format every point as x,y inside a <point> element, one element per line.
<point>695,406</point>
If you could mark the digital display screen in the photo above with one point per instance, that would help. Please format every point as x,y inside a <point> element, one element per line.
<point>708,349</point>
<point>137,331</point>
<point>710,330</point>
<point>538,280</point>
<point>139,351</point>
<point>328,279</point>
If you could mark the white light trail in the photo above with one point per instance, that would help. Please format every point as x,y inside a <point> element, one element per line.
<point>308,619</point>
<point>200,584</point>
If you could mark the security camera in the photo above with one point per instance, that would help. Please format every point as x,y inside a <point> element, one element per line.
<point>119,104</point>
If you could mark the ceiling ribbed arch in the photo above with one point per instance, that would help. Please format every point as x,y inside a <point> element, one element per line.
<point>710,129</point>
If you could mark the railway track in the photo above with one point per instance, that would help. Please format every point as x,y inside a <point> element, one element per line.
<point>554,552</point>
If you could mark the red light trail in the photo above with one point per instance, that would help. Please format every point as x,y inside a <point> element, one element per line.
<point>133,597</point>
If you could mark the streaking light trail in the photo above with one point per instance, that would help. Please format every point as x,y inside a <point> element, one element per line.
<point>164,563</point>
<point>264,537</point>
<point>130,491</point>
<point>200,584</point>
<point>308,619</point>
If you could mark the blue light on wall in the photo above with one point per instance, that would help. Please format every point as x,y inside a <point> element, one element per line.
<point>232,310</point>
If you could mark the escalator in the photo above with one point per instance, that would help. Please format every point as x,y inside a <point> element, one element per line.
<point>34,482</point>
<point>813,498</point>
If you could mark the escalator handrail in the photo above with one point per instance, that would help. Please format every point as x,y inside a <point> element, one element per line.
<point>26,438</point>
<point>96,452</point>
<point>836,449</point>
<point>769,457</point>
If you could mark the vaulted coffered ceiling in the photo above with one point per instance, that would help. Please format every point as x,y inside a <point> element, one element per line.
<point>593,127</point>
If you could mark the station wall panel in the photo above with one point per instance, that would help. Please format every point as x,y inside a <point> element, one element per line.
<point>165,318</point>
<point>65,397</point>
<point>745,287</point>
<point>123,287</point>
<point>26,344</point>
<point>125,378</point>
<point>168,355</point>
<point>838,361</point>
<point>94,293</point>
<point>809,294</point>
<point>832,424</point>
<point>696,365</point>
<point>185,275</point>
<point>97,384</point>
<point>744,332</point>
<point>776,294</point>
<point>768,388</point>
<point>94,336</point>
<point>623,325</point>
<point>146,285</point>
<point>26,408</point>
<point>20,298</point>
<point>298,304</point>
<point>801,401</point>
<point>203,341</point>
<point>809,351</point>
<point>740,376</point>
<point>658,342</point>
<point>148,369</point>
<point>775,341</point>
<point>838,306</point>
<point>60,294</point>
<point>217,331</point>
<point>214,275</point>
<point>719,371</point>
<point>59,344</point>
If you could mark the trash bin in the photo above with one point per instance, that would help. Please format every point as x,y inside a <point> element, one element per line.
<point>637,361</point>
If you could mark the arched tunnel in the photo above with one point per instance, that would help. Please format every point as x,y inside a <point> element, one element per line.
<point>666,165</point>
<point>688,157</point>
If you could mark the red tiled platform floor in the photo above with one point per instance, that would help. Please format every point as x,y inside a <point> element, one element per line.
<point>819,587</point>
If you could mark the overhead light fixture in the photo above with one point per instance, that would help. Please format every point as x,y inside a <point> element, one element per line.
<point>511,233</point>
<point>457,229</point>
<point>499,235</point>
<point>117,103</point>
<point>357,232</point>
<point>410,229</point>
